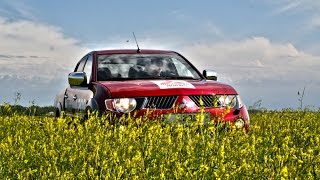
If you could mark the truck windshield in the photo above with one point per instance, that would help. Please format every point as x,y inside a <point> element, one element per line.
<point>144,66</point>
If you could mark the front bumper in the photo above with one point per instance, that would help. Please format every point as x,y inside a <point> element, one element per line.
<point>221,114</point>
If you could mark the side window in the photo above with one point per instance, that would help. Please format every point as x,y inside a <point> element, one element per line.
<point>88,68</point>
<point>81,64</point>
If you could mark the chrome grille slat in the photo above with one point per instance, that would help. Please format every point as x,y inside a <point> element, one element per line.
<point>160,102</point>
<point>208,100</point>
<point>172,101</point>
<point>165,102</point>
<point>150,102</point>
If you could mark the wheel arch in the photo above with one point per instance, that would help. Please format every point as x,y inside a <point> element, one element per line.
<point>92,106</point>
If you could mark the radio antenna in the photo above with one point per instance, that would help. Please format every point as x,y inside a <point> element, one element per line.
<point>138,50</point>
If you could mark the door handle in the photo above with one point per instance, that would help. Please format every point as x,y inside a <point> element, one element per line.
<point>66,96</point>
<point>74,97</point>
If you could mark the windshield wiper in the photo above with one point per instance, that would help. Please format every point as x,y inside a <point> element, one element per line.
<point>180,77</point>
<point>119,79</point>
<point>169,77</point>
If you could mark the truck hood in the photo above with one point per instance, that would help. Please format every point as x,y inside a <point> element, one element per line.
<point>145,88</point>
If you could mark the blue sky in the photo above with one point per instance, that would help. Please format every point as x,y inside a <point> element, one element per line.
<point>266,49</point>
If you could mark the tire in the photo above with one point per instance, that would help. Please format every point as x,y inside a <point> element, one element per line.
<point>57,113</point>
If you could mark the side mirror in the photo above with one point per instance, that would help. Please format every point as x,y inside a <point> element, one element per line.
<point>210,74</point>
<point>77,79</point>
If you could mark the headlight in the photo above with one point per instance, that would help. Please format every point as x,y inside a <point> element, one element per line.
<point>239,123</point>
<point>123,105</point>
<point>228,100</point>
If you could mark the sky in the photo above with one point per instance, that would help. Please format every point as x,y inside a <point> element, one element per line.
<point>268,50</point>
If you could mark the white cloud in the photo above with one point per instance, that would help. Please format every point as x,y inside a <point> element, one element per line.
<point>17,9</point>
<point>42,48</point>
<point>308,9</point>
<point>294,6</point>
<point>253,56</point>
<point>286,6</point>
<point>35,53</point>
<point>178,14</point>
<point>23,9</point>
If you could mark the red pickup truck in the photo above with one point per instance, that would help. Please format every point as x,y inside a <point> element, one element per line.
<point>148,83</point>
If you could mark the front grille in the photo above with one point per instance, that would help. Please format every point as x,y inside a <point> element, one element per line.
<point>205,100</point>
<point>159,102</point>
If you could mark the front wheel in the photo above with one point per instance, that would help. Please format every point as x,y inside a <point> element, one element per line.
<point>57,113</point>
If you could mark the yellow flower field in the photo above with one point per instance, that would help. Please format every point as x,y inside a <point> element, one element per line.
<point>279,145</point>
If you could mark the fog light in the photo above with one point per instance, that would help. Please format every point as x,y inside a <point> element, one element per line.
<point>239,123</point>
